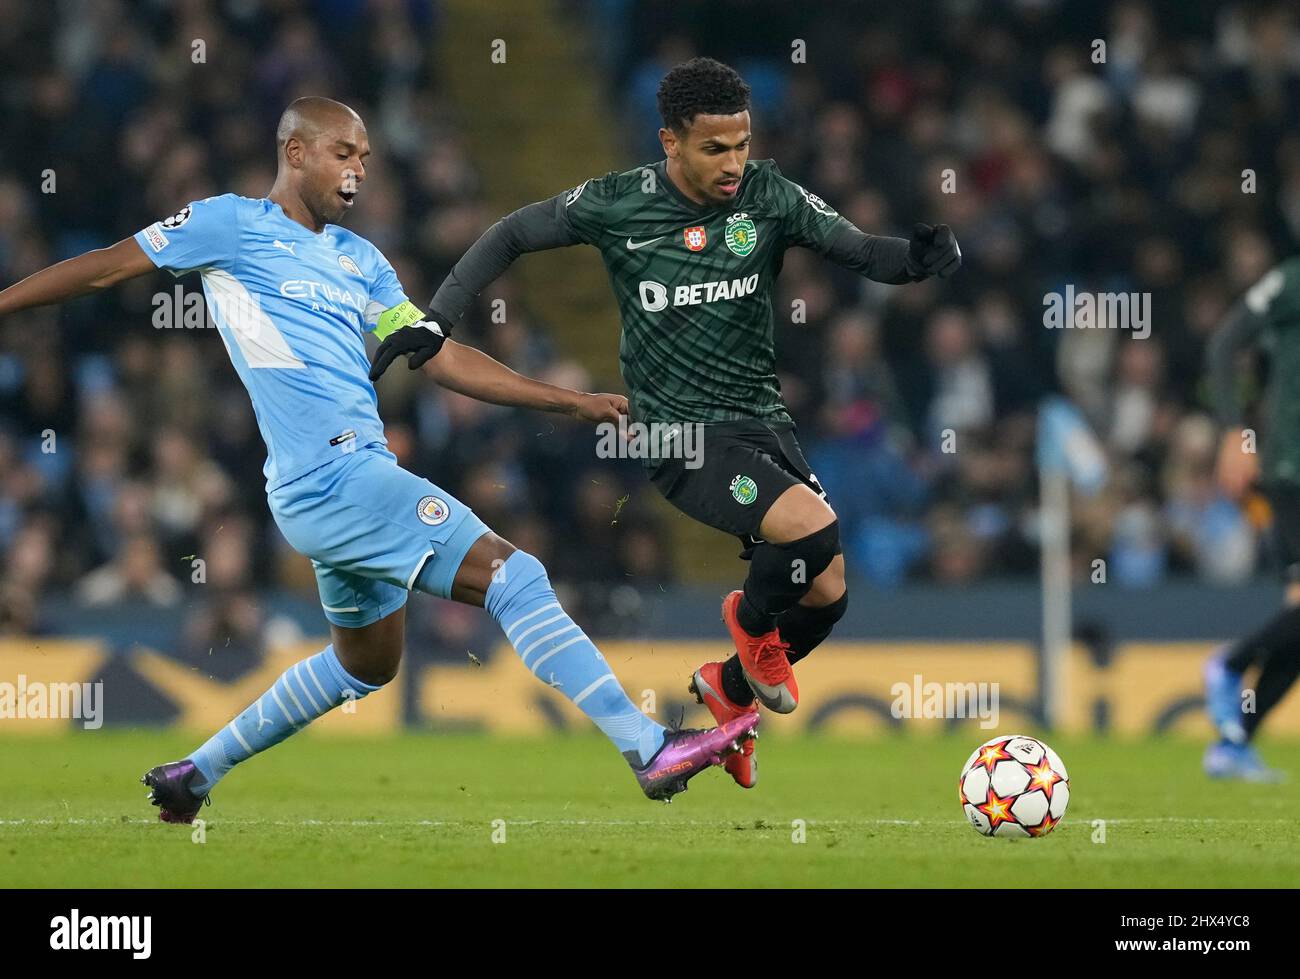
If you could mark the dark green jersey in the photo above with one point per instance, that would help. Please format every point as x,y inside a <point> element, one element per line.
<point>1276,298</point>
<point>694,286</point>
<point>693,282</point>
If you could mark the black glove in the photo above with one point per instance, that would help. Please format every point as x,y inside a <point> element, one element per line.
<point>932,251</point>
<point>421,340</point>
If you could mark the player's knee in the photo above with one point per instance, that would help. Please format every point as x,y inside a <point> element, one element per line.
<point>828,615</point>
<point>523,572</point>
<point>373,653</point>
<point>381,672</point>
<point>830,584</point>
<point>816,551</point>
<point>516,579</point>
<point>496,551</point>
<point>375,663</point>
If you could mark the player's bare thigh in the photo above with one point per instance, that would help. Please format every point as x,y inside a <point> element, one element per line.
<point>797,513</point>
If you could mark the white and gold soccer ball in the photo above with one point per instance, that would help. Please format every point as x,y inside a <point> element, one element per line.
<point>1014,785</point>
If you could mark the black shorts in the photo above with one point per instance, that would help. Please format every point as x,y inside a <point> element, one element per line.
<point>745,466</point>
<point>1284,498</point>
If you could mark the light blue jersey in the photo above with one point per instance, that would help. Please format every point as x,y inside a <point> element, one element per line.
<point>292,307</point>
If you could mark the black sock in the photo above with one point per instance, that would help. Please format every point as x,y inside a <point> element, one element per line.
<point>751,616</point>
<point>1275,679</point>
<point>734,684</point>
<point>1281,632</point>
<point>804,628</point>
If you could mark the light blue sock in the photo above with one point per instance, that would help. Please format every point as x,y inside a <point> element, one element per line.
<point>558,653</point>
<point>303,692</point>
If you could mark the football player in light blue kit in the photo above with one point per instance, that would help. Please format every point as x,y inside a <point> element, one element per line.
<point>293,295</point>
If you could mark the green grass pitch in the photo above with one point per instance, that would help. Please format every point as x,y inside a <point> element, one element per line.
<point>420,810</point>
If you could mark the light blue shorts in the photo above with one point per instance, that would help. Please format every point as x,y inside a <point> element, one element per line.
<point>369,527</point>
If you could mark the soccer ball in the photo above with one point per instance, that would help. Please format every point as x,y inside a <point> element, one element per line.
<point>1014,785</point>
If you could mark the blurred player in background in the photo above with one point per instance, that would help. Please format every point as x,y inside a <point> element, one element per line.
<point>293,296</point>
<point>1268,316</point>
<point>693,245</point>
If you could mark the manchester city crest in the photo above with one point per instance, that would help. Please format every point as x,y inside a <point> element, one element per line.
<point>433,511</point>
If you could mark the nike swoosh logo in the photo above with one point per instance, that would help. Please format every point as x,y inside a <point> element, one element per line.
<point>634,245</point>
<point>774,698</point>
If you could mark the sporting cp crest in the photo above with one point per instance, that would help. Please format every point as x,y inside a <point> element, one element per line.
<point>744,489</point>
<point>695,238</point>
<point>742,236</point>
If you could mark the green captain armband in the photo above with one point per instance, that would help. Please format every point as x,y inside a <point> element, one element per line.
<point>392,320</point>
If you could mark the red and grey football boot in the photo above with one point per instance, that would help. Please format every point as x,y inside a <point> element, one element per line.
<point>169,791</point>
<point>763,658</point>
<point>706,684</point>
<point>686,753</point>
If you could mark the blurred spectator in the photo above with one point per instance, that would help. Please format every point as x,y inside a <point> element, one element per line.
<point>135,575</point>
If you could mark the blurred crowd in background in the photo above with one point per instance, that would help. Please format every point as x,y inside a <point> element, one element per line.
<point>126,450</point>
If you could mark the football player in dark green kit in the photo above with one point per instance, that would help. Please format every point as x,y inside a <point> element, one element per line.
<point>693,245</point>
<point>1268,315</point>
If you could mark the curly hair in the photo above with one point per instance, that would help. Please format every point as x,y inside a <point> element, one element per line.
<point>697,87</point>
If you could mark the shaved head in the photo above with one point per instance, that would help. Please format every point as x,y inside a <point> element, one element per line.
<point>322,148</point>
<point>310,117</point>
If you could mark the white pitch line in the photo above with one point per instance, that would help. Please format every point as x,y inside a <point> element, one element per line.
<point>779,824</point>
<point>724,824</point>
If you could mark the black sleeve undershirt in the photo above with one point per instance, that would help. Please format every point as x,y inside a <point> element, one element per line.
<point>534,228</point>
<point>879,258</point>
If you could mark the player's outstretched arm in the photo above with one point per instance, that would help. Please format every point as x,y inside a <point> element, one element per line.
<point>810,222</point>
<point>474,374</point>
<point>78,276</point>
<point>932,250</point>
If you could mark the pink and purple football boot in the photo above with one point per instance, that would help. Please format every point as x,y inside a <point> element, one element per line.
<point>169,786</point>
<point>686,753</point>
